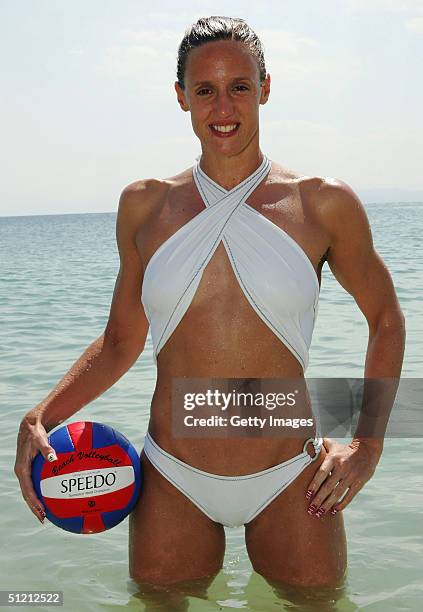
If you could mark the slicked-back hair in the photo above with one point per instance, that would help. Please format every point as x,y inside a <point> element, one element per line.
<point>209,29</point>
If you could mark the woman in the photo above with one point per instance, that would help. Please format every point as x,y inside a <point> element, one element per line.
<point>229,254</point>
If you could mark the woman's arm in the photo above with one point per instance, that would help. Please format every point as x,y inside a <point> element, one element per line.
<point>361,271</point>
<point>105,360</point>
<point>363,274</point>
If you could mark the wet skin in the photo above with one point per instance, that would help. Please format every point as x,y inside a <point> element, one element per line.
<point>220,335</point>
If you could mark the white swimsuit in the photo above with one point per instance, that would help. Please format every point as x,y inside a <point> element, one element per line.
<point>229,500</point>
<point>278,280</point>
<point>275,274</point>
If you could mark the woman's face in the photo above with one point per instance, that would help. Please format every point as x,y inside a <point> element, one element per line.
<point>223,90</point>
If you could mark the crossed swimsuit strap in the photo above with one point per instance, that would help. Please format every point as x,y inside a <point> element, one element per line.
<point>212,225</point>
<point>274,273</point>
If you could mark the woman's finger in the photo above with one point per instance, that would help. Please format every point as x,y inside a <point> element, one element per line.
<point>322,472</point>
<point>324,491</point>
<point>29,495</point>
<point>328,504</point>
<point>32,438</point>
<point>40,441</point>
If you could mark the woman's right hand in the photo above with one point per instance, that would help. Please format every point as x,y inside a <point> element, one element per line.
<point>32,437</point>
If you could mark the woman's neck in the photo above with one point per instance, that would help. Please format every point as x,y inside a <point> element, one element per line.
<point>229,171</point>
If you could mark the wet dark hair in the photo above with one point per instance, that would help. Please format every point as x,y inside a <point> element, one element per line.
<point>209,29</point>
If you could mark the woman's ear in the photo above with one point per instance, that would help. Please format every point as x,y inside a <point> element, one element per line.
<point>180,94</point>
<point>265,89</point>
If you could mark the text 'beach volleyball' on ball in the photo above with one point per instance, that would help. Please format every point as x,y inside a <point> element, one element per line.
<point>95,482</point>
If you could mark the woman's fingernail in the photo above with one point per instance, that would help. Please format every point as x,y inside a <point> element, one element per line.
<point>309,494</point>
<point>320,512</point>
<point>312,509</point>
<point>51,457</point>
<point>333,511</point>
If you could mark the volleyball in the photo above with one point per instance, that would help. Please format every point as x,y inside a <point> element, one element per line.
<point>95,482</point>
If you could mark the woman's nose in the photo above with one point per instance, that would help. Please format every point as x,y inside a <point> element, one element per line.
<point>224,105</point>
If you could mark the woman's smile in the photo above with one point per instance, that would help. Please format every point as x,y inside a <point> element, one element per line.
<point>224,130</point>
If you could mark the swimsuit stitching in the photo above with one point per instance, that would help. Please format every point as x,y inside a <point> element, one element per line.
<point>197,503</point>
<point>227,478</point>
<point>180,488</point>
<point>202,193</point>
<point>218,238</point>
<point>275,330</point>
<point>192,279</point>
<point>236,478</point>
<point>264,163</point>
<point>291,240</point>
<point>316,443</point>
<point>234,190</point>
<point>274,494</point>
<point>317,291</point>
<point>283,232</point>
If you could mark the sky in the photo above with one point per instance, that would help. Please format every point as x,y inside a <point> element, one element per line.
<point>87,103</point>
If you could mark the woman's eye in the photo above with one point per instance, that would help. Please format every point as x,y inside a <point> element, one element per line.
<point>206,90</point>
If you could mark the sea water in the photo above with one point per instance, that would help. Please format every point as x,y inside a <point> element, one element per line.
<point>57,279</point>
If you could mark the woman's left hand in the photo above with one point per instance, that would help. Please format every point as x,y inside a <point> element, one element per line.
<point>344,470</point>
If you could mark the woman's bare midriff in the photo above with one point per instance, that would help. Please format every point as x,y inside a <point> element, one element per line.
<point>221,336</point>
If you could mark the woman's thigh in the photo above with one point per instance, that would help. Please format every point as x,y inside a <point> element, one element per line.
<point>287,544</point>
<point>170,539</point>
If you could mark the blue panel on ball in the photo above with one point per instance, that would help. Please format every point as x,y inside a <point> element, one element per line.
<point>61,441</point>
<point>73,524</point>
<point>103,435</point>
<point>37,466</point>
<point>111,519</point>
<point>122,440</point>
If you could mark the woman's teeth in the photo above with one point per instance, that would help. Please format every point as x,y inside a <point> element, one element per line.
<point>225,128</point>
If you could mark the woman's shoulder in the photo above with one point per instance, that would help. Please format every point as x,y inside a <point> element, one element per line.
<point>312,182</point>
<point>147,189</point>
<point>336,205</point>
<point>328,199</point>
<point>318,188</point>
<point>145,199</point>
